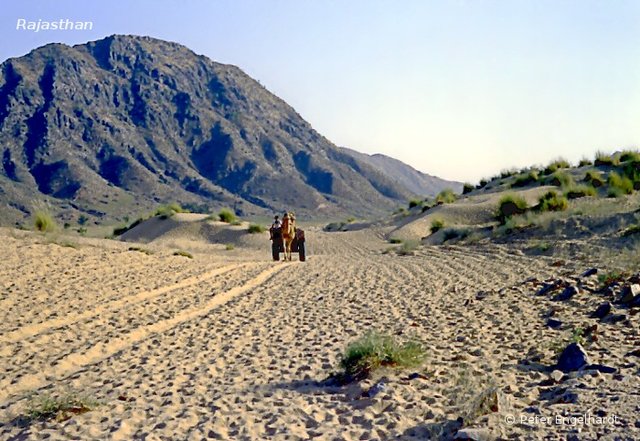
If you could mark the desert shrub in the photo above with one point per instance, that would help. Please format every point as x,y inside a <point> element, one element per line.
<point>121,230</point>
<point>408,247</point>
<point>483,183</point>
<point>467,188</point>
<point>526,179</point>
<point>255,229</point>
<point>551,201</point>
<point>622,183</point>
<point>580,191</point>
<point>446,196</point>
<point>436,225</point>
<point>584,162</point>
<point>606,279</point>
<point>631,170</point>
<point>82,219</point>
<point>555,166</point>
<point>415,203</point>
<point>630,155</point>
<point>560,179</point>
<point>183,254</point>
<point>44,222</point>
<point>454,233</point>
<point>507,173</point>
<point>376,350</point>
<point>510,205</point>
<point>395,240</point>
<point>229,247</point>
<point>594,178</point>
<point>226,215</point>
<point>61,408</point>
<point>604,159</point>
<point>141,250</point>
<point>166,211</point>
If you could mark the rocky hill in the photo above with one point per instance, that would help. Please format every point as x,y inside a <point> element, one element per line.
<point>114,127</point>
<point>413,180</point>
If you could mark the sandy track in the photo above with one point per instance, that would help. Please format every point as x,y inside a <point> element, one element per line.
<point>241,352</point>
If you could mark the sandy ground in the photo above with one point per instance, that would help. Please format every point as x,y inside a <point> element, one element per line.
<point>230,345</point>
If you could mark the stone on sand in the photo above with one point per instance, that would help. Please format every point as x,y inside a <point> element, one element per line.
<point>573,358</point>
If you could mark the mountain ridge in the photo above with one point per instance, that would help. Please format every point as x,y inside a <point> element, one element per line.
<point>118,125</point>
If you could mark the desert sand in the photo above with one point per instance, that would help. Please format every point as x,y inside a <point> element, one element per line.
<point>230,345</point>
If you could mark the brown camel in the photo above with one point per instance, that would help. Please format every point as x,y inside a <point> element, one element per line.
<point>288,233</point>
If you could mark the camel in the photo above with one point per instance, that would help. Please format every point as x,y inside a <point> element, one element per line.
<point>288,233</point>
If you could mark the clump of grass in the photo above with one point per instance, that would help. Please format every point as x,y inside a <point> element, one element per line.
<point>229,247</point>
<point>584,162</point>
<point>560,179</point>
<point>408,247</point>
<point>594,178</point>
<point>526,179</point>
<point>255,229</point>
<point>415,203</point>
<point>483,183</point>
<point>44,222</point>
<point>376,350</point>
<point>60,408</point>
<point>455,233</point>
<point>632,230</point>
<point>551,201</point>
<point>555,166</point>
<point>609,278</point>
<point>446,196</point>
<point>141,250</point>
<point>226,215</point>
<point>580,191</point>
<point>604,159</point>
<point>510,205</point>
<point>507,173</point>
<point>467,188</point>
<point>630,155</point>
<point>183,254</point>
<point>436,225</point>
<point>395,240</point>
<point>167,211</point>
<point>631,170</point>
<point>623,184</point>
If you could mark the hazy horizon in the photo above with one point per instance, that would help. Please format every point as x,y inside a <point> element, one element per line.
<point>456,89</point>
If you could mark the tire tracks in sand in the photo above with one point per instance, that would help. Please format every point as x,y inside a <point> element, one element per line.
<point>101,351</point>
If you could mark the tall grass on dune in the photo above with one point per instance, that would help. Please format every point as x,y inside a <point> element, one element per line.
<point>605,159</point>
<point>446,196</point>
<point>551,201</point>
<point>226,215</point>
<point>560,179</point>
<point>579,191</point>
<point>168,210</point>
<point>594,178</point>
<point>555,166</point>
<point>619,184</point>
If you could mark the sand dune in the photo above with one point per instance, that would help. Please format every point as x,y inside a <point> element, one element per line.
<point>230,345</point>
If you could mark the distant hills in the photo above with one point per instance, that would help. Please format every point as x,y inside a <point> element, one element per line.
<point>116,126</point>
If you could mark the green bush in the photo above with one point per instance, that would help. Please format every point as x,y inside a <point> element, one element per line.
<point>594,178</point>
<point>580,191</point>
<point>630,155</point>
<point>376,350</point>
<point>256,229</point>
<point>167,211</point>
<point>446,196</point>
<point>510,205</point>
<point>226,215</point>
<point>229,247</point>
<point>436,225</point>
<point>44,222</point>
<point>507,173</point>
<point>621,183</point>
<point>454,233</point>
<point>556,165</point>
<point>395,240</point>
<point>631,170</point>
<point>467,188</point>
<point>584,162</point>
<point>632,230</point>
<point>560,179</point>
<point>526,179</point>
<point>415,203</point>
<point>552,201</point>
<point>603,159</point>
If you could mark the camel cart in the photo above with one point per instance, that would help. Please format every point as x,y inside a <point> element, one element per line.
<point>277,244</point>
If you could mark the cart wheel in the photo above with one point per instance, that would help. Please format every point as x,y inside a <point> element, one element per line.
<point>275,251</point>
<point>301,252</point>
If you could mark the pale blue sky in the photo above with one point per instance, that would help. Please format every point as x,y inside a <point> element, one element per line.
<point>460,89</point>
